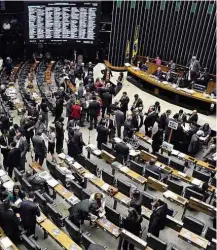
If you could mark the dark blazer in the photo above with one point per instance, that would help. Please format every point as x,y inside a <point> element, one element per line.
<point>128,129</point>
<point>103,133</point>
<point>59,130</point>
<point>94,108</point>
<point>153,168</point>
<point>122,149</point>
<point>106,99</point>
<point>119,118</point>
<point>163,121</point>
<point>28,212</point>
<point>9,223</point>
<point>39,145</point>
<point>79,141</point>
<point>124,103</point>
<point>158,220</point>
<point>131,225</point>
<point>13,159</point>
<point>193,118</point>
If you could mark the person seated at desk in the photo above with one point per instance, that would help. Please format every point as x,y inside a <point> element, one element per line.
<point>152,167</point>
<point>9,222</point>
<point>122,150</point>
<point>206,130</point>
<point>136,201</point>
<point>193,117</point>
<point>158,73</point>
<point>16,194</point>
<point>204,78</point>
<point>158,61</point>
<point>131,223</point>
<point>212,147</point>
<point>157,220</point>
<point>37,182</point>
<point>194,145</point>
<point>200,189</point>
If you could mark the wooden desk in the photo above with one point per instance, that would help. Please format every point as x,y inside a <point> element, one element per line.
<point>202,207</point>
<point>2,246</point>
<point>59,236</point>
<point>109,227</point>
<point>128,172</point>
<point>168,87</point>
<point>145,156</point>
<point>175,197</point>
<point>110,66</point>
<point>206,166</point>
<point>193,238</point>
<point>157,185</point>
<point>41,218</point>
<point>144,138</point>
<point>36,167</point>
<point>108,158</point>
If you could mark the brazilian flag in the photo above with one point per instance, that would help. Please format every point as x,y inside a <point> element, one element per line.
<point>135,42</point>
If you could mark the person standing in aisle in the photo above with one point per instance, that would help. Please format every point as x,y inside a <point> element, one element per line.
<point>102,134</point>
<point>94,108</point>
<point>51,142</point>
<point>59,135</point>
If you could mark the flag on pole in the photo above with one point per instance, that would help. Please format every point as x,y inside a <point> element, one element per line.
<point>135,42</point>
<point>127,55</point>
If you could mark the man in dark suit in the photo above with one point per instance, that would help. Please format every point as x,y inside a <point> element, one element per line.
<point>164,119</point>
<point>102,136</point>
<point>157,220</point>
<point>9,221</point>
<point>193,117</point>
<point>59,134</point>
<point>28,212</point>
<point>94,108</point>
<point>152,167</point>
<point>124,103</point>
<point>13,159</point>
<point>40,148</point>
<point>78,139</point>
<point>4,143</point>
<point>106,102</point>
<point>119,121</point>
<point>122,151</point>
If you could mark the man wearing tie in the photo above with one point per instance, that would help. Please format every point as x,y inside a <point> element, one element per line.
<point>4,146</point>
<point>194,68</point>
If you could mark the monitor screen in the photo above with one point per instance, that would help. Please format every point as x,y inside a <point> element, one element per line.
<point>60,22</point>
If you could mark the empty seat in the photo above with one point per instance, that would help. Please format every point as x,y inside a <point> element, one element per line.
<point>113,215</point>
<point>136,167</point>
<point>18,175</point>
<point>174,187</point>
<point>147,200</point>
<point>177,166</point>
<point>190,193</point>
<point>161,158</point>
<point>55,215</point>
<point>210,233</point>
<point>201,176</point>
<point>76,189</point>
<point>86,241</point>
<point>73,230</point>
<point>152,174</point>
<point>192,224</point>
<point>108,178</point>
<point>123,187</point>
<point>155,243</point>
<point>26,185</point>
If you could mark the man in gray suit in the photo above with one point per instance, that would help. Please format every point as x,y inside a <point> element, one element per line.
<point>119,120</point>
<point>23,146</point>
<point>194,68</point>
<point>40,148</point>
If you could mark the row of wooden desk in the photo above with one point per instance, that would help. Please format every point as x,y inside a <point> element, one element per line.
<point>48,72</point>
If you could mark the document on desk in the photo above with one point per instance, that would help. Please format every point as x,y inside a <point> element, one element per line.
<point>76,165</point>
<point>125,169</point>
<point>6,242</point>
<point>105,187</point>
<point>89,176</point>
<point>62,156</point>
<point>117,139</point>
<point>181,174</point>
<point>17,202</point>
<point>52,182</point>
<point>97,152</point>
<point>73,200</point>
<point>196,182</point>
<point>181,155</point>
<point>175,152</point>
<point>45,175</point>
<point>134,152</point>
<point>91,146</point>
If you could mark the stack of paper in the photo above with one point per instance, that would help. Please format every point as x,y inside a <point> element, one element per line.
<point>182,174</point>
<point>196,182</point>
<point>105,186</point>
<point>73,200</point>
<point>62,156</point>
<point>125,169</point>
<point>52,182</point>
<point>2,172</point>
<point>77,165</point>
<point>9,185</point>
<point>6,242</point>
<point>175,152</point>
<point>89,176</point>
